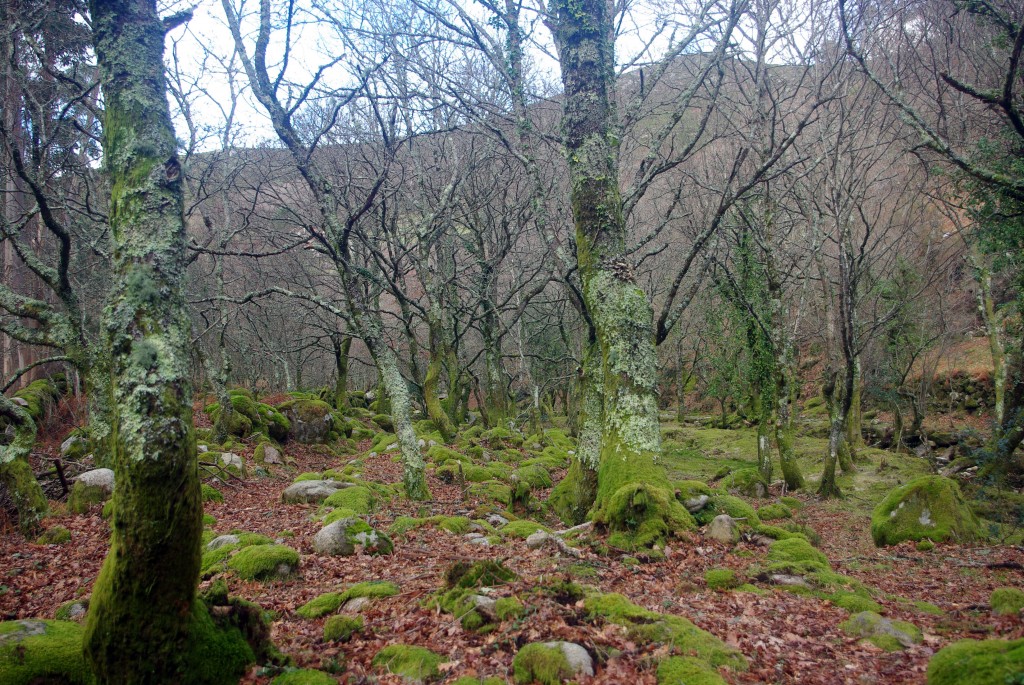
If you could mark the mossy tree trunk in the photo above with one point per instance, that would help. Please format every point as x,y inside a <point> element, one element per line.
<point>784,428</point>
<point>431,382</point>
<point>854,438</point>
<point>828,487</point>
<point>575,494</point>
<point>342,346</point>
<point>633,494</point>
<point>15,471</point>
<point>139,612</point>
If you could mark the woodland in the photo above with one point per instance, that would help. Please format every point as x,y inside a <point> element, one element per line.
<point>670,342</point>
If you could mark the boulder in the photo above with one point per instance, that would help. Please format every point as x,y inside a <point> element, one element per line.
<point>310,491</point>
<point>695,504</point>
<point>311,420</point>
<point>342,537</point>
<point>98,478</point>
<point>724,528</point>
<point>926,508</point>
<point>232,463</point>
<point>222,541</point>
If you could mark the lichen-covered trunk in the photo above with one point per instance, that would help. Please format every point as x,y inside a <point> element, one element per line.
<point>99,393</point>
<point>634,496</point>
<point>341,351</point>
<point>829,488</point>
<point>987,310</point>
<point>431,400</point>
<point>141,602</point>
<point>785,430</point>
<point>764,410</point>
<point>220,367</point>
<point>16,473</point>
<point>854,437</point>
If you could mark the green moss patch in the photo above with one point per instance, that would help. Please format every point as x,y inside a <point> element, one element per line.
<point>978,662</point>
<point>721,579</point>
<point>54,535</point>
<point>359,499</point>
<point>331,601</point>
<point>415,663</point>
<point>796,556</point>
<point>682,670</point>
<point>888,635</point>
<point>304,676</point>
<point>854,603</point>
<point>929,507</point>
<point>747,482</point>
<point>728,504</point>
<point>83,497</point>
<point>211,494</point>
<point>264,562</point>
<point>537,663</point>
<point>341,628</point>
<point>669,629</point>
<point>509,608</point>
<point>774,512</point>
<point>1007,601</point>
<point>35,650</point>
<point>492,491</point>
<point>522,528</point>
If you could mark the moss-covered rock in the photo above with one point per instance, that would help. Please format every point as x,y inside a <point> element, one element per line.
<point>854,603</point>
<point>54,535</point>
<point>415,663</point>
<point>686,670</point>
<point>522,528</point>
<point>796,556</point>
<point>774,512</point>
<point>688,489</point>
<point>344,536</point>
<point>41,651</point>
<point>747,482</point>
<point>534,475</point>
<point>85,496</point>
<point>338,514</point>
<point>330,602</point>
<point>264,562</point>
<point>929,507</point>
<point>304,676</point>
<point>73,610</point>
<point>341,628</point>
<point>538,663</point>
<point>384,442</point>
<point>721,579</point>
<point>211,494</point>
<point>727,504</point>
<point>310,420</point>
<point>509,608</point>
<point>1007,601</point>
<point>384,422</point>
<point>882,632</point>
<point>470,680</point>
<point>978,662</point>
<point>676,631</point>
<point>359,499</point>
<point>492,491</point>
<point>499,437</point>
<point>462,584</point>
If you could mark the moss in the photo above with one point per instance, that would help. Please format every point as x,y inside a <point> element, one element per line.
<point>492,491</point>
<point>721,579</point>
<point>688,489</point>
<point>404,524</point>
<point>502,437</point>
<point>462,581</point>
<point>536,663</point>
<point>1007,601</point>
<point>777,533</point>
<point>534,475</point>
<point>854,603</point>
<point>795,555</point>
<point>83,497</point>
<point>508,608</point>
<point>747,482</point>
<point>261,562</point>
<point>774,512</point>
<point>439,454</point>
<point>883,633</point>
<point>929,507</point>
<point>309,475</point>
<point>276,424</point>
<point>384,442</point>
<point>928,608</point>
<point>470,680</point>
<point>682,670</point>
<point>415,663</point>
<point>522,529</point>
<point>35,650</point>
<point>331,601</point>
<point>359,499</point>
<point>338,514</point>
<point>384,422</point>
<point>54,535</point>
<point>211,494</point>
<point>216,654</point>
<point>669,629</point>
<point>728,504</point>
<point>304,676</point>
<point>792,502</point>
<point>925,546</point>
<point>341,628</point>
<point>455,524</point>
<point>979,662</point>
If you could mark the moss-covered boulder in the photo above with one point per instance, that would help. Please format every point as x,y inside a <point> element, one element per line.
<point>463,582</point>
<point>550,663</point>
<point>304,676</point>
<point>747,482</point>
<point>796,556</point>
<point>359,499</point>
<point>687,670</point>
<point>211,494</point>
<point>978,662</point>
<point>722,579</point>
<point>929,507</point>
<point>888,635</point>
<point>341,628</point>
<point>310,420</point>
<point>310,491</point>
<point>774,512</point>
<point>1007,601</point>
<point>414,663</point>
<point>91,488</point>
<point>54,535</point>
<point>264,562</point>
<point>344,536</point>
<point>330,602</point>
<point>727,504</point>
<point>40,651</point>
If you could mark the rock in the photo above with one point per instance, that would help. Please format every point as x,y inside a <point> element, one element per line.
<point>98,478</point>
<point>202,449</point>
<point>422,443</point>
<point>929,507</point>
<point>221,541</point>
<point>480,542</point>
<point>786,579</point>
<point>887,634</point>
<point>723,528</point>
<point>310,491</point>
<point>355,605</point>
<point>578,657</point>
<point>537,540</point>
<point>695,504</point>
<point>497,520</point>
<point>74,444</point>
<point>341,538</point>
<point>20,401</point>
<point>310,420</point>
<point>232,462</point>
<point>486,606</point>
<point>271,455</point>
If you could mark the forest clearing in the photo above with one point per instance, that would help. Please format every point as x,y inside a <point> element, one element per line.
<point>667,342</point>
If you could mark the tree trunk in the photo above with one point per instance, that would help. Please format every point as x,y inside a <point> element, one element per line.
<point>785,430</point>
<point>432,403</point>
<point>829,488</point>
<point>141,603</point>
<point>341,351</point>
<point>575,494</point>
<point>854,437</point>
<point>634,495</point>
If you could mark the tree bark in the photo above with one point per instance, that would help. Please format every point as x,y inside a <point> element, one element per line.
<point>141,603</point>
<point>341,351</point>
<point>16,473</point>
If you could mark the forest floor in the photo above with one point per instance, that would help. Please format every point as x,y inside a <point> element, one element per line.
<point>786,636</point>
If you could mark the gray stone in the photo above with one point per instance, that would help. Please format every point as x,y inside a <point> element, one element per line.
<point>695,504</point>
<point>497,521</point>
<point>355,605</point>
<point>537,539</point>
<point>232,462</point>
<point>221,541</point>
<point>98,478</point>
<point>724,528</point>
<point>20,401</point>
<point>271,455</point>
<point>578,657</point>
<point>334,539</point>
<point>310,491</point>
<point>310,431</point>
<point>72,444</point>
<point>485,606</point>
<point>480,542</point>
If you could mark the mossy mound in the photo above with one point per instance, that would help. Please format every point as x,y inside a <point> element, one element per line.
<point>929,507</point>
<point>415,663</point>
<point>854,603</point>
<point>537,663</point>
<point>43,651</point>
<point>747,482</point>
<point>688,489</point>
<point>331,601</point>
<point>534,475</point>
<point>722,579</point>
<point>462,582</point>
<point>642,515</point>
<point>54,535</point>
<point>384,442</point>
<point>522,528</point>
<point>492,491</point>
<point>978,662</point>
<point>509,608</point>
<point>774,512</point>
<point>341,628</point>
<point>470,680</point>
<point>796,556</point>
<point>338,514</point>
<point>1007,601</point>
<point>83,497</point>
<point>304,676</point>
<point>384,422</point>
<point>499,437</point>
<point>684,670</point>
<point>41,396</point>
<point>211,494</point>
<point>669,629</point>
<point>727,504</point>
<point>888,635</point>
<point>358,499</point>
<point>264,562</point>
